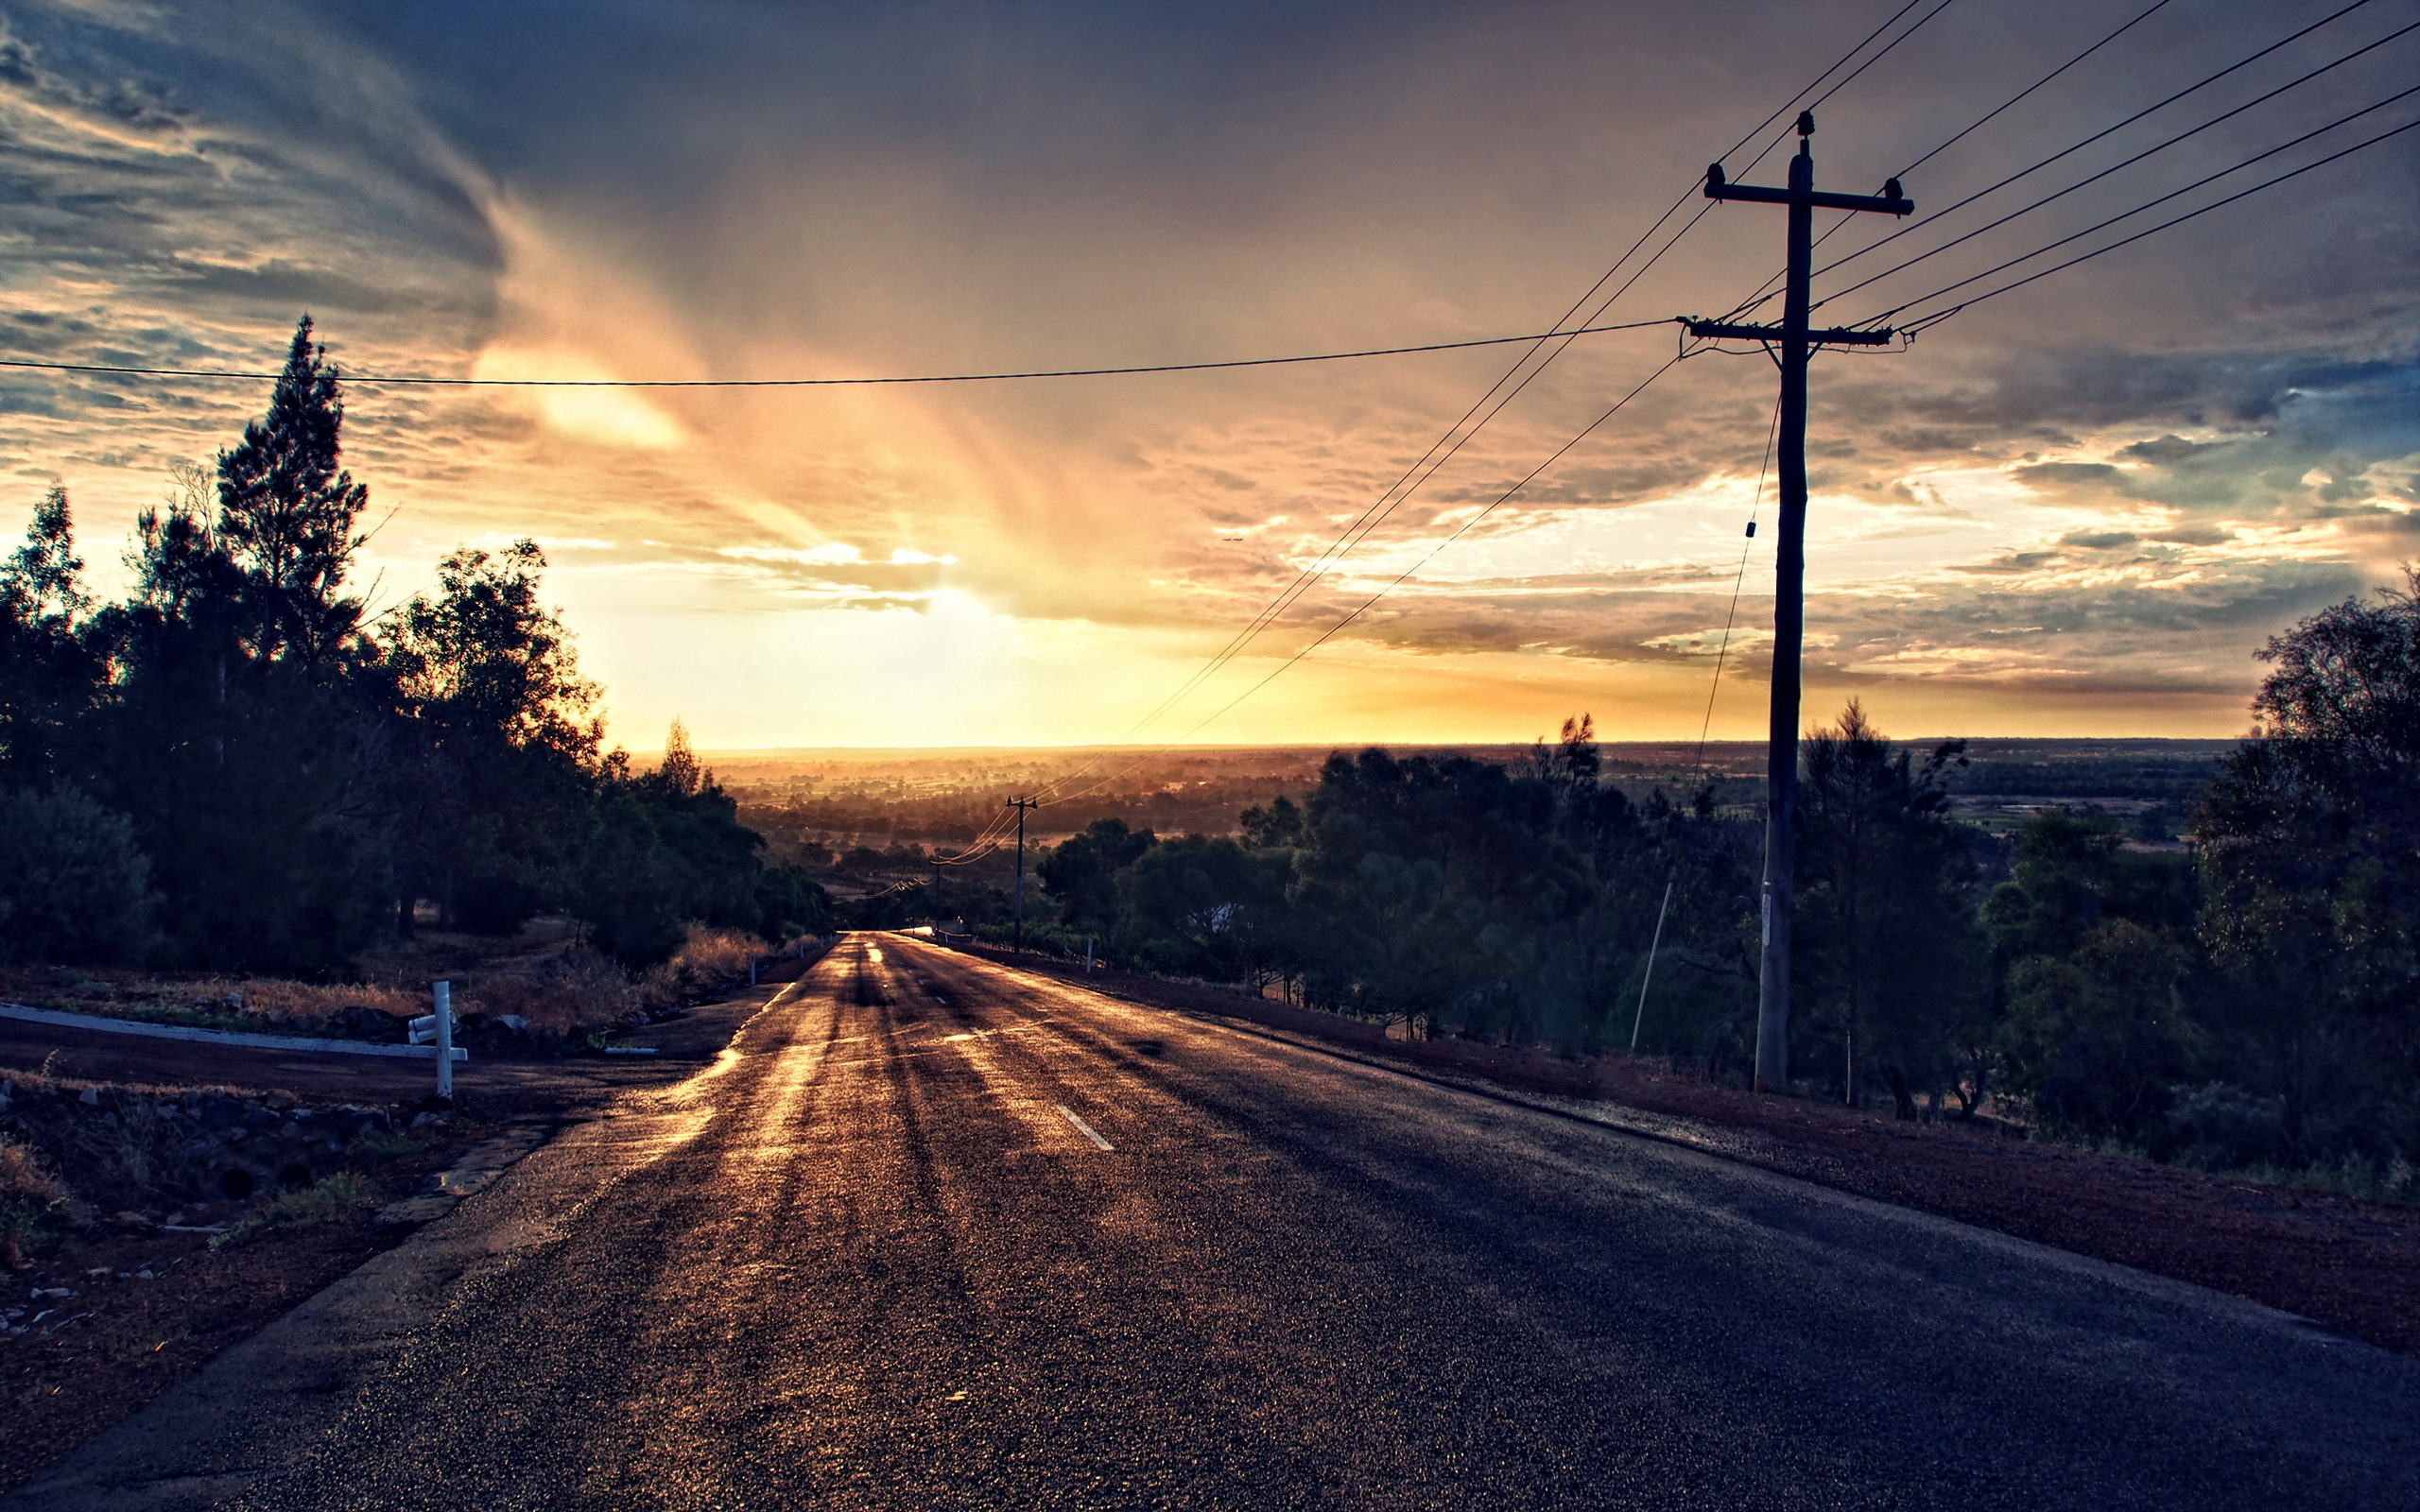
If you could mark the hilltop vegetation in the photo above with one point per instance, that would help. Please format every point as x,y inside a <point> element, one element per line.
<point>2247,1000</point>
<point>234,769</point>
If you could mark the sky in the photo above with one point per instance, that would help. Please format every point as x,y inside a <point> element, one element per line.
<point>2077,508</point>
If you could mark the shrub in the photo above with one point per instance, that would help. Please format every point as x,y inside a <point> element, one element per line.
<point>2221,1127</point>
<point>323,1201</point>
<point>495,905</point>
<point>707,961</point>
<point>575,992</point>
<point>28,1195</point>
<point>73,887</point>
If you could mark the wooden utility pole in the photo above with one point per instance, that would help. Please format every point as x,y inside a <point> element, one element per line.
<point>1022,805</point>
<point>937,894</point>
<point>1797,344</point>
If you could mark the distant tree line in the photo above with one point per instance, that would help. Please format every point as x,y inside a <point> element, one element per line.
<point>236,768</point>
<point>2252,998</point>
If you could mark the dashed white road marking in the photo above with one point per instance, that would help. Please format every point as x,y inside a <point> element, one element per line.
<point>1082,1128</point>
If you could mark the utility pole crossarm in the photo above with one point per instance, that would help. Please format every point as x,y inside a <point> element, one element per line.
<point>1890,204</point>
<point>1835,337</point>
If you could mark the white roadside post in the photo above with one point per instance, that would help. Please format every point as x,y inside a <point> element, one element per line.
<point>443,993</point>
<point>1088,955</point>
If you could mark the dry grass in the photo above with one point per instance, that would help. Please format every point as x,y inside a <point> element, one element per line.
<point>559,985</point>
<point>219,1001</point>
<point>323,1201</point>
<point>22,1178</point>
<point>29,1194</point>
<point>709,961</point>
<point>577,991</point>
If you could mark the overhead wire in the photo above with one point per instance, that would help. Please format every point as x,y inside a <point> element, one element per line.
<point>395,378</point>
<point>1988,116</point>
<point>2128,162</point>
<point>1731,617</point>
<point>1765,291</point>
<point>1399,580</point>
<point>1935,317</point>
<point>1394,497</point>
<point>1460,531</point>
<point>1430,461</point>
<point>1466,525</point>
<point>2070,150</point>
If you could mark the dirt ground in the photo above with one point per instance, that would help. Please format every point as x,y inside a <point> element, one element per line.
<point>146,1308</point>
<point>2352,1265</point>
<point>150,1305</point>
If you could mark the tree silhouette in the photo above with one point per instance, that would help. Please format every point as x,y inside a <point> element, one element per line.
<point>287,513</point>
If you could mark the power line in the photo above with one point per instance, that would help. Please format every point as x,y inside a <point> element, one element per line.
<point>1460,531</point>
<point>2130,163</point>
<point>2078,147</point>
<point>1989,116</point>
<point>1764,290</point>
<point>826,382</point>
<point>1397,492</point>
<point>1730,616</point>
<point>1415,475</point>
<point>1937,317</point>
<point>1430,461</point>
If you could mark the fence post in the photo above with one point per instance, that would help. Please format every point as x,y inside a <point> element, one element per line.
<point>443,993</point>
<point>1088,955</point>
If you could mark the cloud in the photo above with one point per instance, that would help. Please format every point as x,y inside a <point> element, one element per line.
<point>2115,483</point>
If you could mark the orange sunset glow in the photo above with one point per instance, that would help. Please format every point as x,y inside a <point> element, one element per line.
<point>2080,510</point>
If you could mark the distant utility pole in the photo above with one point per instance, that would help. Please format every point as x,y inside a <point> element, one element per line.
<point>1797,344</point>
<point>937,894</point>
<point>1022,805</point>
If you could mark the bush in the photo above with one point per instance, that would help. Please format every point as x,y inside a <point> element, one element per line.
<point>2221,1127</point>
<point>495,905</point>
<point>708,961</point>
<point>73,887</point>
<point>578,991</point>
<point>323,1201</point>
<point>29,1195</point>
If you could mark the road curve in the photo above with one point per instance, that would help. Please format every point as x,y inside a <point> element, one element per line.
<point>936,1234</point>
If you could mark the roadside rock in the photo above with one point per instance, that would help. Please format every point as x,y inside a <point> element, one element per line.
<point>125,1151</point>
<point>358,1021</point>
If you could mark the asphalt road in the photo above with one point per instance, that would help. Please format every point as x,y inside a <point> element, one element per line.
<point>938,1235</point>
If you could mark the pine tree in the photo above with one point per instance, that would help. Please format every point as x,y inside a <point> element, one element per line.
<point>287,514</point>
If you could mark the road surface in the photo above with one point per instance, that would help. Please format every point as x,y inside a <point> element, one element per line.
<point>935,1234</point>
